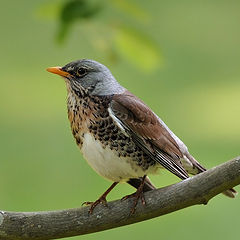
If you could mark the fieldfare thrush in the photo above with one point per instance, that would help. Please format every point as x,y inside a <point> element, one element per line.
<point>121,138</point>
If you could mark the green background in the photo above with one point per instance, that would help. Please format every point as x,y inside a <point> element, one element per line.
<point>194,87</point>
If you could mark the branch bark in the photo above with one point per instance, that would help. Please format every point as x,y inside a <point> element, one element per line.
<point>72,222</point>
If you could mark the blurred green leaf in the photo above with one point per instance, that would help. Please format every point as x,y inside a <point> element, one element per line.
<point>50,10</point>
<point>72,11</point>
<point>138,48</point>
<point>131,8</point>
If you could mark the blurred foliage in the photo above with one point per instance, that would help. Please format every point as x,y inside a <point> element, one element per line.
<point>72,11</point>
<point>137,48</point>
<point>131,8</point>
<point>123,40</point>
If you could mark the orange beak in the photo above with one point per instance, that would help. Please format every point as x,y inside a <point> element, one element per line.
<point>58,70</point>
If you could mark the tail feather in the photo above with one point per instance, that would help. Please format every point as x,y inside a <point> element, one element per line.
<point>232,193</point>
<point>229,193</point>
<point>148,185</point>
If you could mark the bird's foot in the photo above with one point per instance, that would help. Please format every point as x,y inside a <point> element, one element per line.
<point>139,194</point>
<point>92,205</point>
<point>102,199</point>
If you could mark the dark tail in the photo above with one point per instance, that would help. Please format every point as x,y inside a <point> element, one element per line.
<point>229,193</point>
<point>135,182</point>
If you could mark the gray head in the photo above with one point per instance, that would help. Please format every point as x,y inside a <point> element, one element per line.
<point>89,75</point>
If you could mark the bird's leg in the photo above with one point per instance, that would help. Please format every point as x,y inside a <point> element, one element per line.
<point>137,195</point>
<point>102,199</point>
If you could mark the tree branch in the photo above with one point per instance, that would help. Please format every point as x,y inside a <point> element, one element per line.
<point>65,223</point>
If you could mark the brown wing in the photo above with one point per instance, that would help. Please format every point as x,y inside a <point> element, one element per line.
<point>143,126</point>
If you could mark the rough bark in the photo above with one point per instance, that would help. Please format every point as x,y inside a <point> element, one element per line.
<point>71,222</point>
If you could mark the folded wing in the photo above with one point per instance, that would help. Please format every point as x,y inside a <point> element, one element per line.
<point>142,125</point>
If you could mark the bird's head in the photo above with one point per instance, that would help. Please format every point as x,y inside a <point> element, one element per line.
<point>90,76</point>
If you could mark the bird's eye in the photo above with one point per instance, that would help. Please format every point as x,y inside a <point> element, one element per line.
<point>81,72</point>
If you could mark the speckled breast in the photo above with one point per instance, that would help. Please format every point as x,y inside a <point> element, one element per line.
<point>89,114</point>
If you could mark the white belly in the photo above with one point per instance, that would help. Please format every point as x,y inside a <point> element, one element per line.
<point>107,163</point>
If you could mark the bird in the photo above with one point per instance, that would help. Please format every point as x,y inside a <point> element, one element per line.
<point>119,136</point>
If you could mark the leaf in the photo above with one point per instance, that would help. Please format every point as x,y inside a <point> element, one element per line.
<point>138,49</point>
<point>131,8</point>
<point>72,11</point>
<point>49,11</point>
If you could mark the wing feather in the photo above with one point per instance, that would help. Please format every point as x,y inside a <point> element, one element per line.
<point>143,126</point>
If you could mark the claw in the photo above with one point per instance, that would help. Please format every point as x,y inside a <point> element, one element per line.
<point>101,200</point>
<point>87,203</point>
<point>139,194</point>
